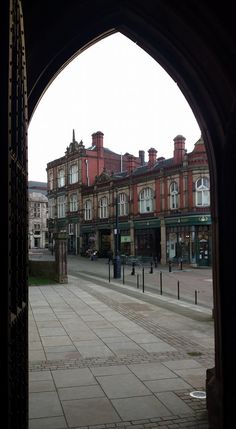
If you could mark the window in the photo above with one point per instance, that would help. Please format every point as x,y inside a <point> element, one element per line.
<point>71,229</point>
<point>37,229</point>
<point>103,208</point>
<point>73,203</point>
<point>50,181</point>
<point>37,209</point>
<point>88,210</point>
<point>202,187</point>
<point>51,208</point>
<point>73,174</point>
<point>61,207</point>
<point>146,200</point>
<point>61,178</point>
<point>174,198</point>
<point>122,204</point>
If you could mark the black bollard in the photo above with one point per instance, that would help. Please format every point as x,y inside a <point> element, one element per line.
<point>123,274</point>
<point>160,282</point>
<point>109,271</point>
<point>133,269</point>
<point>178,290</point>
<point>143,280</point>
<point>170,267</point>
<point>151,268</point>
<point>137,281</point>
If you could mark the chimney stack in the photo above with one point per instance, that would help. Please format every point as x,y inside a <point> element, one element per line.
<point>97,140</point>
<point>141,157</point>
<point>130,163</point>
<point>152,157</point>
<point>179,149</point>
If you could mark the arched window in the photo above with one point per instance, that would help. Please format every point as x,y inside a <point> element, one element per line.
<point>202,187</point>
<point>88,210</point>
<point>174,197</point>
<point>146,200</point>
<point>61,177</point>
<point>122,204</point>
<point>73,203</point>
<point>73,174</point>
<point>103,208</point>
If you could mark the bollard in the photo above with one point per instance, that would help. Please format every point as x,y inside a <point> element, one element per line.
<point>123,274</point>
<point>151,268</point>
<point>109,271</point>
<point>169,266</point>
<point>178,289</point>
<point>196,297</point>
<point>160,282</point>
<point>133,269</point>
<point>137,281</point>
<point>143,280</point>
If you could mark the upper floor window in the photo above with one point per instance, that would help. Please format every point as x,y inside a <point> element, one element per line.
<point>122,204</point>
<point>88,210</point>
<point>202,187</point>
<point>61,207</point>
<point>37,209</point>
<point>61,177</point>
<point>73,203</point>
<point>103,208</point>
<point>50,181</point>
<point>51,208</point>
<point>146,200</point>
<point>73,173</point>
<point>174,197</point>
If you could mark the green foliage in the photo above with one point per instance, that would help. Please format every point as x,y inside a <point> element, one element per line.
<point>40,281</point>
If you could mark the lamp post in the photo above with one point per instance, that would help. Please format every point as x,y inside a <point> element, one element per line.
<point>116,262</point>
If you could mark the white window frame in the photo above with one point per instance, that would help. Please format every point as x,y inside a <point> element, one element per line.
<point>61,206</point>
<point>146,200</point>
<point>202,189</point>
<point>73,203</point>
<point>174,196</point>
<point>103,208</point>
<point>88,210</point>
<point>61,177</point>
<point>73,174</point>
<point>122,204</point>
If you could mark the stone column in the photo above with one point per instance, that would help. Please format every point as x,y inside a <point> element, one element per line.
<point>163,242</point>
<point>61,256</point>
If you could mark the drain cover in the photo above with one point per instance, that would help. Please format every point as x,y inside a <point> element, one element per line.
<point>199,394</point>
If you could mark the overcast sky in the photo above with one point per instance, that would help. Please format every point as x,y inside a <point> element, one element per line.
<point>117,88</point>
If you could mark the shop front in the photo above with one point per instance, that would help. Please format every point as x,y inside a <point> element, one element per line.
<point>148,238</point>
<point>188,239</point>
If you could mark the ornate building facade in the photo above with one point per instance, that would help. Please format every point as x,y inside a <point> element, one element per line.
<point>163,204</point>
<point>37,215</point>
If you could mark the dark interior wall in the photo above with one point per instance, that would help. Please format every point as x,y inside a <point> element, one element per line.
<point>195,42</point>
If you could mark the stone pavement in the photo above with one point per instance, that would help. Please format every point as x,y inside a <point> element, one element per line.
<point>102,355</point>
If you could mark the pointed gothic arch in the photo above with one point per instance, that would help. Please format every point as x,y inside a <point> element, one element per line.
<point>195,43</point>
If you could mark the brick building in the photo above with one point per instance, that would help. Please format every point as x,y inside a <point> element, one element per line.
<point>163,205</point>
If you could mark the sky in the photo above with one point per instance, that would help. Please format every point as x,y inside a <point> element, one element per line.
<point>117,88</point>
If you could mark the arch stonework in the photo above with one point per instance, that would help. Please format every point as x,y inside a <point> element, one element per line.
<point>195,43</point>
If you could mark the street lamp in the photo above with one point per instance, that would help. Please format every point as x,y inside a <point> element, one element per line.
<point>116,261</point>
